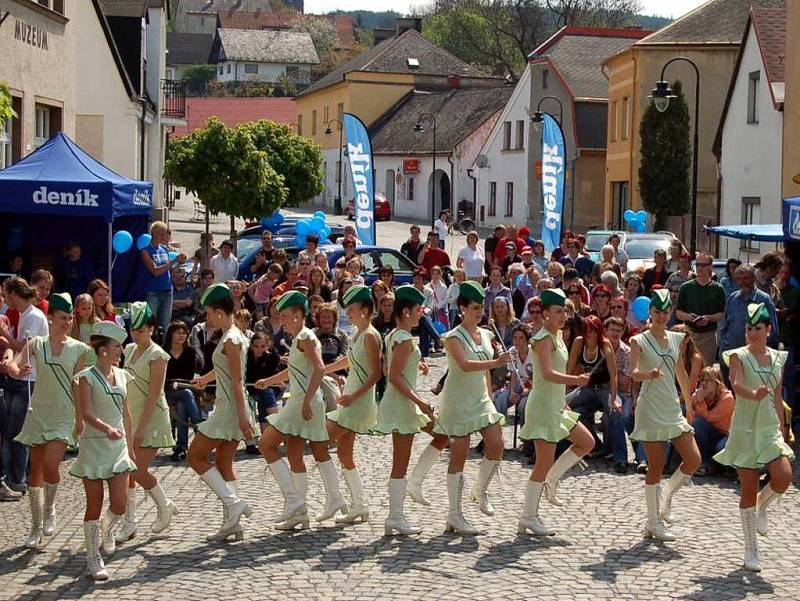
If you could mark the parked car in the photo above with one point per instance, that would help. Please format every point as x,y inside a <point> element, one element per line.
<point>596,239</point>
<point>288,229</point>
<point>375,257</point>
<point>640,248</point>
<point>383,210</point>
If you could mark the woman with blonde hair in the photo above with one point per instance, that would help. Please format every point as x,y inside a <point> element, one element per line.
<point>83,319</point>
<point>555,272</point>
<point>713,408</point>
<point>502,320</point>
<point>158,281</point>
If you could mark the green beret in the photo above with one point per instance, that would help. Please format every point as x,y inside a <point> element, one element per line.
<point>61,301</point>
<point>472,290</point>
<point>553,296</point>
<point>757,313</point>
<point>292,298</point>
<point>661,300</point>
<point>356,294</point>
<point>109,329</point>
<point>214,293</point>
<point>407,292</point>
<point>141,314</point>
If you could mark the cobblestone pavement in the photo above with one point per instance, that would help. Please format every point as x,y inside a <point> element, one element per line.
<point>597,554</point>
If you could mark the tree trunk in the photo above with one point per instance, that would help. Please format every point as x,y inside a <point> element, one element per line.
<point>205,243</point>
<point>233,234</point>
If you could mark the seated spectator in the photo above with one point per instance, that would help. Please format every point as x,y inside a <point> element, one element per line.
<point>318,284</point>
<point>379,289</point>
<point>271,326</point>
<point>206,279</point>
<point>304,264</point>
<point>225,265</point>
<point>502,321</point>
<point>15,265</point>
<point>184,298</point>
<point>619,309</point>
<point>607,261</point>
<point>495,288</point>
<point>573,326</point>
<point>355,267</point>
<point>384,317</point>
<point>544,284</point>
<point>519,383</point>
<point>555,273</point>
<point>386,275</point>
<point>533,316</point>
<point>292,274</point>
<point>314,303</point>
<point>310,251</point>
<point>334,343</point>
<point>321,261</point>
<point>237,293</point>
<point>691,357</point>
<point>184,362</point>
<point>609,278</point>
<point>75,271</point>
<point>242,319</point>
<point>713,409</point>
<point>262,362</point>
<point>601,299</point>
<point>343,318</point>
<point>279,258</point>
<point>573,293</point>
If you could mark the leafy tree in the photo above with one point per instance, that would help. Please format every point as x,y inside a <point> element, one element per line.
<point>666,158</point>
<point>6,110</point>
<point>593,13</point>
<point>321,29</point>
<point>197,77</point>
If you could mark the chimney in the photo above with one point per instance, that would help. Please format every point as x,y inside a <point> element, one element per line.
<point>403,24</point>
<point>380,34</point>
<point>453,82</point>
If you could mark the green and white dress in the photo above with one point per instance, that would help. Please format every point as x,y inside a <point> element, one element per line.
<point>159,431</point>
<point>99,457</point>
<point>362,415</point>
<point>223,423</point>
<point>755,438</point>
<point>85,330</point>
<point>289,420</point>
<point>396,412</point>
<point>466,404</point>
<point>658,409</point>
<point>546,414</point>
<point>52,414</point>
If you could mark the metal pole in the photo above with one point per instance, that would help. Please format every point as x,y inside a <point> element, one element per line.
<point>337,205</point>
<point>693,244</point>
<point>433,207</point>
<point>110,259</point>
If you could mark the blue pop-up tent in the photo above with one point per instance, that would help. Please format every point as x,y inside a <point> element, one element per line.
<point>60,193</point>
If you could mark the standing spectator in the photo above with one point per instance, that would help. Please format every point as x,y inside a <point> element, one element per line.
<point>526,289</point>
<point>524,234</point>
<point>657,274</point>
<point>511,236</point>
<point>509,258</point>
<point>75,271</point>
<point>681,275</point>
<point>581,263</point>
<point>713,410</point>
<point>490,245</point>
<point>573,293</point>
<point>502,319</point>
<point>386,274</point>
<point>225,265</point>
<point>349,244</point>
<point>633,290</point>
<point>435,293</point>
<point>495,288</point>
<point>378,290</point>
<point>184,299</point>
<point>610,280</point>
<point>261,290</point>
<point>732,328</point>
<point>311,249</point>
<point>82,321</point>
<point>453,293</point>
<point>427,333</point>
<point>601,302</point>
<point>620,256</point>
<point>279,258</point>
<point>607,261</point>
<point>555,274</point>
<point>206,279</point>
<point>292,276</point>
<point>333,340</point>
<point>539,257</point>
<point>344,319</point>
<point>701,305</point>
<point>766,270</point>
<point>15,265</point>
<point>471,258</point>
<point>728,280</point>
<point>304,263</point>
<point>561,250</point>
<point>184,362</point>
<point>413,246</point>
<point>41,283</point>
<point>262,362</point>
<point>263,257</point>
<point>441,226</point>
<point>101,298</point>
<point>158,281</point>
<point>789,335</point>
<point>676,249</point>
<point>17,397</point>
<point>619,309</point>
<point>384,318</point>
<point>431,255</point>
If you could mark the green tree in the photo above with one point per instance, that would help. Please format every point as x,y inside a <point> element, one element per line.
<point>197,78</point>
<point>666,157</point>
<point>6,109</point>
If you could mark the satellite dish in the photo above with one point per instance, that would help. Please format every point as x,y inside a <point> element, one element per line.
<point>482,161</point>
<point>796,179</point>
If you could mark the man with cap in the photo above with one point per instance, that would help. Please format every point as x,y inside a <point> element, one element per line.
<point>225,264</point>
<point>656,363</point>
<point>510,257</point>
<point>50,421</point>
<point>104,451</point>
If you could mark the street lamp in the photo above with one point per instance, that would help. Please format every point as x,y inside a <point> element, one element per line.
<point>538,117</point>
<point>337,203</point>
<point>661,95</point>
<point>418,128</point>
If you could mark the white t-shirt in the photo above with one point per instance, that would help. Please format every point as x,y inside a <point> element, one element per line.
<point>32,322</point>
<point>441,227</point>
<point>224,269</point>
<point>473,261</point>
<point>435,295</point>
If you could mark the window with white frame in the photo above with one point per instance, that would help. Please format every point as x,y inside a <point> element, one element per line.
<point>751,215</point>
<point>221,70</point>
<point>250,69</point>
<point>6,136</point>
<point>42,125</point>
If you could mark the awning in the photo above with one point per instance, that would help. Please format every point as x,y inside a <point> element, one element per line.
<point>763,233</point>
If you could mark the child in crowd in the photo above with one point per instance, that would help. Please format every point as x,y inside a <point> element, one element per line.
<point>262,289</point>
<point>452,296</point>
<point>83,320</point>
<point>262,362</point>
<point>243,318</point>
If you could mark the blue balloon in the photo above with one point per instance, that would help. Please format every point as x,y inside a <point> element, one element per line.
<point>325,232</point>
<point>122,241</point>
<point>642,215</point>
<point>640,227</point>
<point>303,228</point>
<point>629,215</point>
<point>641,308</point>
<point>300,240</point>
<point>278,217</point>
<point>142,241</point>
<point>317,224</point>
<point>440,326</point>
<point>325,241</point>
<point>173,255</point>
<point>320,214</point>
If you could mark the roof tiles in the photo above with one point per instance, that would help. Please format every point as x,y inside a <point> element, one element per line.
<point>233,111</point>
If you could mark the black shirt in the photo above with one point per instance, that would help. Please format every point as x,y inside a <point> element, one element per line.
<point>411,251</point>
<point>261,367</point>
<point>185,366</point>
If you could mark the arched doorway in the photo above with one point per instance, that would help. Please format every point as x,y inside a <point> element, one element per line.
<point>439,192</point>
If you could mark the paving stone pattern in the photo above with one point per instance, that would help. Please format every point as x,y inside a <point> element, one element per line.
<point>597,554</point>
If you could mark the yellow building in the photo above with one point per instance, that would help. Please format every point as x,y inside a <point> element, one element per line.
<point>371,84</point>
<point>791,104</point>
<point>710,36</point>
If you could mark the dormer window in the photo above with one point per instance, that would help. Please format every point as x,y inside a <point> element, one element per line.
<point>413,63</point>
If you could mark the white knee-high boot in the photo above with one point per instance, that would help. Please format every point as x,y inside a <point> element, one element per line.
<point>334,501</point>
<point>676,481</point>
<point>36,497</point>
<point>165,507</point>
<point>479,492</point>
<point>300,518</point>
<point>567,459</point>
<point>95,568</point>
<point>765,497</point>
<point>424,464</point>
<point>233,507</point>
<point>530,520</point>
<point>396,520</point>
<point>49,523</point>
<point>110,520</point>
<point>456,522</point>
<point>655,526</point>
<point>292,502</point>
<point>358,510</point>
<point>751,560</point>
<point>128,530</point>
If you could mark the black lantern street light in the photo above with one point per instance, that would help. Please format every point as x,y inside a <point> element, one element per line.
<point>538,117</point>
<point>337,203</point>
<point>418,128</point>
<point>661,96</point>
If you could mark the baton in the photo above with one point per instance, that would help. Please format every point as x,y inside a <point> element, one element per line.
<point>28,360</point>
<point>187,384</point>
<point>516,368</point>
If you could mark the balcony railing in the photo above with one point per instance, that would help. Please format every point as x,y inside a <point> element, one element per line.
<point>174,99</point>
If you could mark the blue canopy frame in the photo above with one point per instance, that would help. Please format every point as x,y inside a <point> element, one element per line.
<point>761,233</point>
<point>63,181</point>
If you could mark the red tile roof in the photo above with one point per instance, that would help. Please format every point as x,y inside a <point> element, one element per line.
<point>770,26</point>
<point>240,19</point>
<point>233,111</point>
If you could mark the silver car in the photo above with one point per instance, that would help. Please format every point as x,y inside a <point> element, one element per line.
<point>641,247</point>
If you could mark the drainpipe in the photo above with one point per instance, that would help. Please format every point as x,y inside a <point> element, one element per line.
<point>143,125</point>
<point>474,195</point>
<point>452,184</point>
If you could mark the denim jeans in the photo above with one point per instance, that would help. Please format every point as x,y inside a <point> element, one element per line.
<point>187,411</point>
<point>591,400</point>
<point>629,420</point>
<point>12,415</point>
<point>265,399</point>
<point>709,440</point>
<point>427,334</point>
<point>160,302</point>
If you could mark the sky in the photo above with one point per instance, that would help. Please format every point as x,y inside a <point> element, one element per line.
<point>664,8</point>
